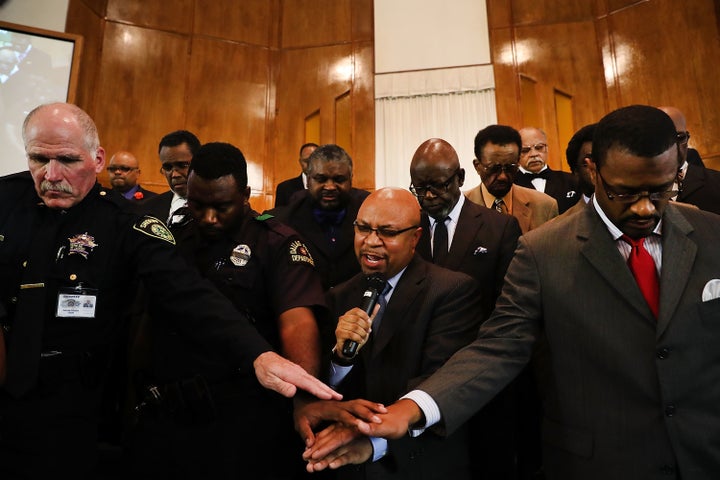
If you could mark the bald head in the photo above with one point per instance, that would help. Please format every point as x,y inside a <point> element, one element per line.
<point>678,119</point>
<point>123,171</point>
<point>533,154</point>
<point>63,152</point>
<point>436,176</point>
<point>378,246</point>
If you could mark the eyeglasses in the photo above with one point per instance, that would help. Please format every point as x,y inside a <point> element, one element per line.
<point>495,168</point>
<point>120,168</point>
<point>382,232</point>
<point>436,188</point>
<point>538,147</point>
<point>169,166</point>
<point>629,198</point>
<point>683,137</point>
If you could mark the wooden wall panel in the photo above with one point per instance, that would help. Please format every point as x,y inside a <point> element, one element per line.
<point>243,72</point>
<point>315,22</point>
<point>610,53</point>
<point>83,19</point>
<point>251,21</point>
<point>228,83</point>
<point>306,83</point>
<point>176,16</point>
<point>141,93</point>
<point>363,117</point>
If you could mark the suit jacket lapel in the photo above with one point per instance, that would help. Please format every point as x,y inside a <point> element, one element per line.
<point>468,225</point>
<point>678,258</point>
<point>423,247</point>
<point>521,209</point>
<point>602,253</point>
<point>403,299</point>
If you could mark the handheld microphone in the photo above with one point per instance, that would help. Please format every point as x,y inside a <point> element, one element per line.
<point>375,286</point>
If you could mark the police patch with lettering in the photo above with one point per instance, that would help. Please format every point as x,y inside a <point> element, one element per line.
<point>152,227</point>
<point>300,254</point>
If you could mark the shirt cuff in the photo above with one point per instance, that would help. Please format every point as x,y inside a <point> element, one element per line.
<point>380,448</point>
<point>430,410</point>
<point>337,374</point>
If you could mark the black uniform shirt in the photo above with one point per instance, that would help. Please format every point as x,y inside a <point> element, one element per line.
<point>104,249</point>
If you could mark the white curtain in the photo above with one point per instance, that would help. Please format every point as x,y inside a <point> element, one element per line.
<point>452,104</point>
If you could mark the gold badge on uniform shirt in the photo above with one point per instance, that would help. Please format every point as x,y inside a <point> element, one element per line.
<point>82,244</point>
<point>300,254</point>
<point>240,255</point>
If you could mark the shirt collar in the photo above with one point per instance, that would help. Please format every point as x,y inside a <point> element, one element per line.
<point>612,228</point>
<point>489,198</point>
<point>454,213</point>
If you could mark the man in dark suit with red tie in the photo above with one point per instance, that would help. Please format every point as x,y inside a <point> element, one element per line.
<point>534,172</point>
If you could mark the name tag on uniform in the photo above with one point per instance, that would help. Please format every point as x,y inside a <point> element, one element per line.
<point>76,303</point>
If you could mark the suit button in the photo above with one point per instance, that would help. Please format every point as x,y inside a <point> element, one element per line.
<point>663,353</point>
<point>670,410</point>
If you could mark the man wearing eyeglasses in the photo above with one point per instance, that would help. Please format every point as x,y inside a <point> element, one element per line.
<point>497,152</point>
<point>698,184</point>
<point>578,155</point>
<point>535,173</point>
<point>123,172</point>
<point>430,313</point>
<point>480,242</point>
<point>630,379</point>
<point>175,151</point>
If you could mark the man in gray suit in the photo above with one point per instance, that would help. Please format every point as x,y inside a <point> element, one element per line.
<point>627,394</point>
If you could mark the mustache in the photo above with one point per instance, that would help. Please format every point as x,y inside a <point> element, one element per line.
<point>47,186</point>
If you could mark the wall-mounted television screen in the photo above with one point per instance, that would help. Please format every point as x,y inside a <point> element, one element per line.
<point>36,66</point>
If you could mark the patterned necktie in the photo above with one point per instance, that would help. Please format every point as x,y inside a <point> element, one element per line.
<point>643,269</point>
<point>500,206</point>
<point>440,242</point>
<point>383,305</point>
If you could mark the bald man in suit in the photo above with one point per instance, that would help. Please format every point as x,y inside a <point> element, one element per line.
<point>479,242</point>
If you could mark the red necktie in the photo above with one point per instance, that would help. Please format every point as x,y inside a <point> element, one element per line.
<point>643,269</point>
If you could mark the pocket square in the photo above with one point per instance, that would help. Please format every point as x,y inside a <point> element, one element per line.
<point>711,290</point>
<point>480,250</point>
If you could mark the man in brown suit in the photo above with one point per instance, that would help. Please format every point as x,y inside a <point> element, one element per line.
<point>497,153</point>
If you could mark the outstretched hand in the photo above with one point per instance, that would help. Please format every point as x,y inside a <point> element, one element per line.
<point>309,416</point>
<point>354,448</point>
<point>285,377</point>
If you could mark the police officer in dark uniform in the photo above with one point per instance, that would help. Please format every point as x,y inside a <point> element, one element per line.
<point>69,254</point>
<point>225,428</point>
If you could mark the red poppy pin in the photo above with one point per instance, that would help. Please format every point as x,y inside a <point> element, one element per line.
<point>138,195</point>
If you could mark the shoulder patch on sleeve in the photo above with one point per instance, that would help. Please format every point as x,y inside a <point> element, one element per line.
<point>300,254</point>
<point>152,227</point>
<point>263,217</point>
